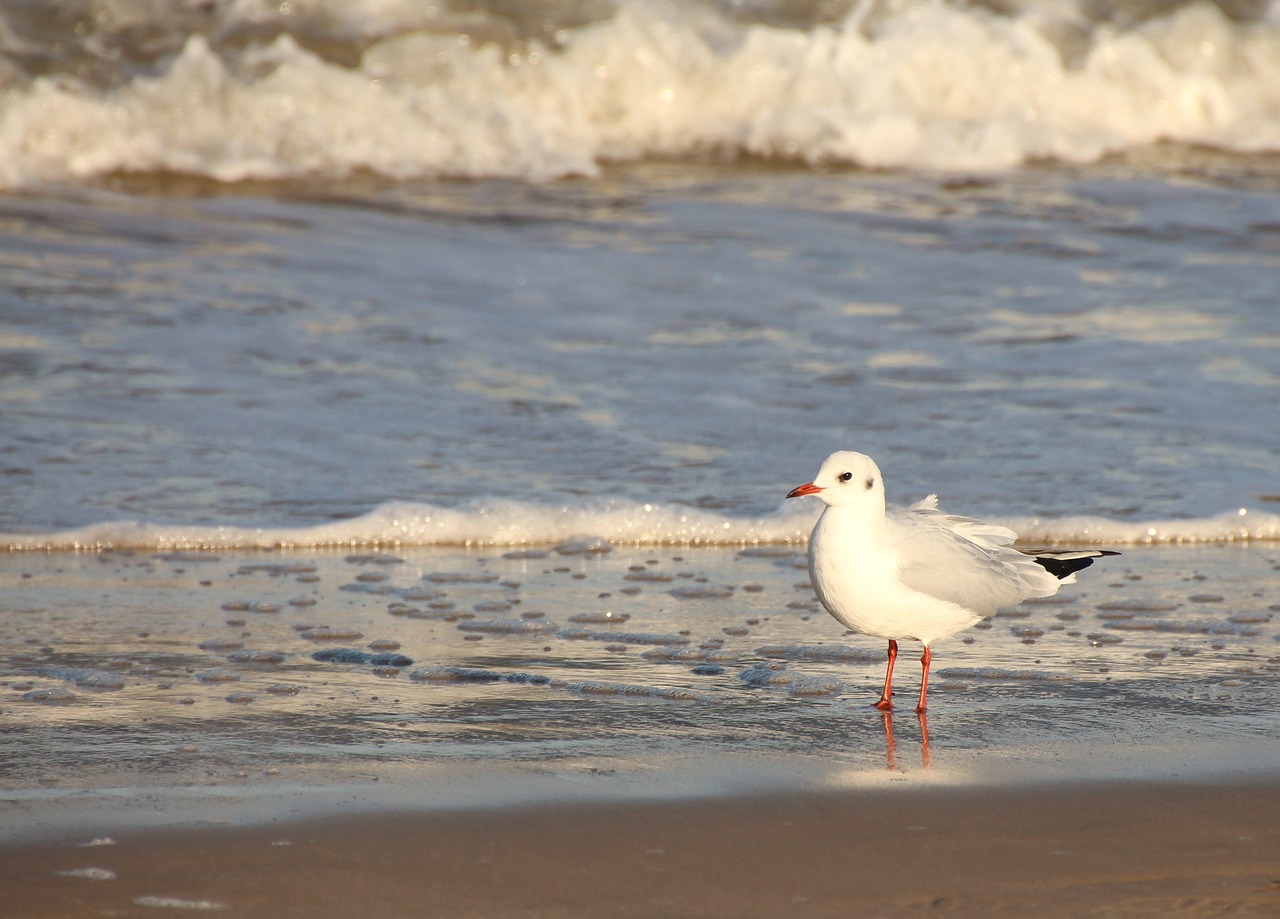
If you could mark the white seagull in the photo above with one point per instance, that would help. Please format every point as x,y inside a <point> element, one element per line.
<point>916,574</point>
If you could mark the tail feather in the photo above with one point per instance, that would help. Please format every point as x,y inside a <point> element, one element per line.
<point>1062,564</point>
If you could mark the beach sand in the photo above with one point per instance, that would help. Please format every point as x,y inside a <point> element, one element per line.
<point>1121,849</point>
<point>644,733</point>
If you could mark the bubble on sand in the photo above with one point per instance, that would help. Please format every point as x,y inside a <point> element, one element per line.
<point>533,679</point>
<point>1138,606</point>
<point>99,679</point>
<point>217,675</point>
<point>241,698</point>
<point>509,626</point>
<point>330,633</point>
<point>518,554</point>
<point>492,606</point>
<point>600,618</point>
<point>455,675</point>
<point>256,657</point>
<point>443,613</point>
<point>474,675</point>
<point>677,694</point>
<point>702,593</point>
<point>186,558</point>
<point>1000,673</point>
<point>708,670</point>
<point>584,545</point>
<point>89,874</point>
<point>54,696</point>
<point>766,675</point>
<point>278,569</point>
<point>284,689</point>
<point>813,686</point>
<point>1250,618</point>
<point>1193,627</point>
<point>356,656</point>
<point>460,577</point>
<point>251,606</point>
<point>629,638</point>
<point>220,644</point>
<point>688,655</point>
<point>175,903</point>
<point>383,644</point>
<point>85,678</point>
<point>374,589</point>
<point>656,577</point>
<point>420,593</point>
<point>767,552</point>
<point>374,558</point>
<point>834,653</point>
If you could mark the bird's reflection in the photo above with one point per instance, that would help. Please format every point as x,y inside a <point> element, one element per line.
<point>891,747</point>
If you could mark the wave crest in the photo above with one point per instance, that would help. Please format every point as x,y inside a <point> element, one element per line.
<point>930,86</point>
<point>498,523</point>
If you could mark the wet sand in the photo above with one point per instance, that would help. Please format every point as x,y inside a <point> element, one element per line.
<point>1119,849</point>
<point>645,733</point>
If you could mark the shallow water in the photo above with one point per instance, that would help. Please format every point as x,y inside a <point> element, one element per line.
<point>1054,344</point>
<point>127,670</point>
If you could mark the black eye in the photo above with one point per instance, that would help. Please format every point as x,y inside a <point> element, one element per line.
<point>845,476</point>
<point>871,483</point>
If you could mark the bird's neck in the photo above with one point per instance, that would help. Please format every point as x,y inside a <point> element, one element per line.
<point>852,526</point>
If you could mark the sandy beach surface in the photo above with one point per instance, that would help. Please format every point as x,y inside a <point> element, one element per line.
<point>1132,849</point>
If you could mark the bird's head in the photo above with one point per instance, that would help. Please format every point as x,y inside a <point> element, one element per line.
<point>846,478</point>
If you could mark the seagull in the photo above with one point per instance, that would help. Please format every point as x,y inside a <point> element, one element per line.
<point>916,574</point>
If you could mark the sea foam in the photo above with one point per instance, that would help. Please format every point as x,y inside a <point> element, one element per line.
<point>506,523</point>
<point>919,85</point>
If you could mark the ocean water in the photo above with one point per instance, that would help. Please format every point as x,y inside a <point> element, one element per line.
<point>389,288</point>
<point>215,335</point>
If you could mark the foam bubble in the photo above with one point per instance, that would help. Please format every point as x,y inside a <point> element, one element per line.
<point>621,522</point>
<point>86,678</point>
<point>626,638</point>
<point>90,874</point>
<point>56,696</point>
<point>1001,673</point>
<point>837,653</point>
<point>509,626</point>
<point>629,690</point>
<point>176,903</point>
<point>256,657</point>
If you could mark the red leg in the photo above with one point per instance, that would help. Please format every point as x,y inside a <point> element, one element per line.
<point>925,660</point>
<point>886,697</point>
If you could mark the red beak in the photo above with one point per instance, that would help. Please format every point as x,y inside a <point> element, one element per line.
<point>801,490</point>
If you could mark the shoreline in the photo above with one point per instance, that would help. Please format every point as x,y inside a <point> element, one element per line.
<point>1138,848</point>
<point>904,764</point>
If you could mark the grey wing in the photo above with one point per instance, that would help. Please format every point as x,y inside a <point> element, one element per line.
<point>965,561</point>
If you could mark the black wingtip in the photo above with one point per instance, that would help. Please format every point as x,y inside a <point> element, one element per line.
<point>1066,563</point>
